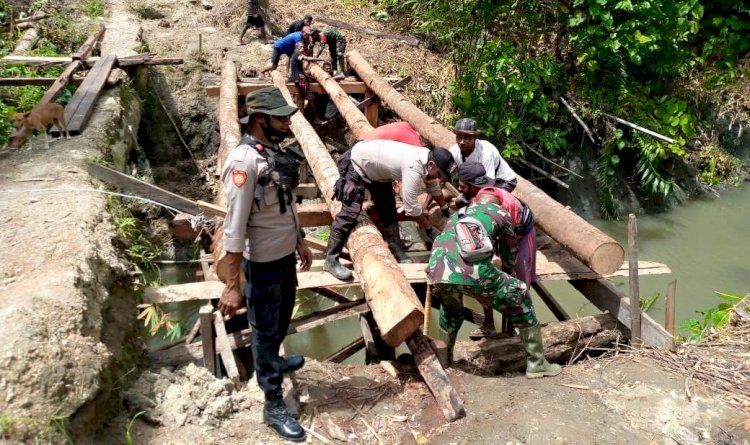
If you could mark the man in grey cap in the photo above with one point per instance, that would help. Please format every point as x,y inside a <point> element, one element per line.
<point>261,235</point>
<point>469,147</point>
<point>374,165</point>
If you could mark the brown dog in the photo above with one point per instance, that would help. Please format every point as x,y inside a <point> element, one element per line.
<point>39,118</point>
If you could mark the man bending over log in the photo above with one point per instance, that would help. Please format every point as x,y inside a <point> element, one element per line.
<point>462,263</point>
<point>469,147</point>
<point>284,45</point>
<point>261,235</point>
<point>374,165</point>
<point>473,181</point>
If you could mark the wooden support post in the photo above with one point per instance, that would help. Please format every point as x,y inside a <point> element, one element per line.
<point>435,377</point>
<point>669,307</point>
<point>427,310</point>
<point>369,339</point>
<point>635,293</point>
<point>205,316</point>
<point>394,304</point>
<point>371,110</point>
<point>550,301</point>
<point>597,250</point>
<point>225,349</point>
<point>85,49</point>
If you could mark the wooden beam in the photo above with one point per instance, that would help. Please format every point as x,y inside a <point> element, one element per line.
<point>81,105</point>
<point>587,243</point>
<point>243,88</point>
<point>606,297</point>
<point>374,98</point>
<point>224,348</point>
<point>319,318</point>
<point>89,44</point>
<point>331,294</point>
<point>434,375</point>
<point>34,81</point>
<point>135,186</point>
<point>394,305</point>
<point>347,351</point>
<point>371,110</point>
<point>550,301</point>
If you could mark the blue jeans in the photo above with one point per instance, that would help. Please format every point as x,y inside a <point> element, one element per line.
<point>270,292</point>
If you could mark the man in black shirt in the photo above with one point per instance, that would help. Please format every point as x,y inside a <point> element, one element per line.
<point>297,25</point>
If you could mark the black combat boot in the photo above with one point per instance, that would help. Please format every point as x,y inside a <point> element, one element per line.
<point>276,416</point>
<point>393,238</point>
<point>291,363</point>
<point>335,245</point>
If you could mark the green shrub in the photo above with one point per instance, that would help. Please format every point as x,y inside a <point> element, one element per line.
<point>93,8</point>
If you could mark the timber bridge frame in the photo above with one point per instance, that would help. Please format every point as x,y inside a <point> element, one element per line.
<point>576,251</point>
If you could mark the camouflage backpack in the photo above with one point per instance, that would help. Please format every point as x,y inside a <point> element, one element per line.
<point>473,239</point>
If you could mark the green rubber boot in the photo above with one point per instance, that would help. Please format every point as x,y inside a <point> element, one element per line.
<point>536,365</point>
<point>449,337</point>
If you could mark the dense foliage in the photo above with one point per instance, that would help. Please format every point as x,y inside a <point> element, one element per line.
<point>625,58</point>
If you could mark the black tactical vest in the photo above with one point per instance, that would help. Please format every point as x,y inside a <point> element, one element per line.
<point>282,171</point>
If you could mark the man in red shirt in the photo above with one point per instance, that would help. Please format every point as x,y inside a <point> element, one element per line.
<point>399,132</point>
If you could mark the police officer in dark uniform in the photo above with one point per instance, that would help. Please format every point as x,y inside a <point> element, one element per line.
<point>261,235</point>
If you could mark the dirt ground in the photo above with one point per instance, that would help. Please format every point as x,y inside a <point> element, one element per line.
<point>59,265</point>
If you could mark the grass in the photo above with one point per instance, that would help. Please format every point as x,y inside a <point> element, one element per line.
<point>93,8</point>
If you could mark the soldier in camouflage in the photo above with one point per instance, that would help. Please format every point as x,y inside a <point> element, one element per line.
<point>451,275</point>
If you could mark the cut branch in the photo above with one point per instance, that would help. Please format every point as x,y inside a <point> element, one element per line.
<point>641,129</point>
<point>580,121</point>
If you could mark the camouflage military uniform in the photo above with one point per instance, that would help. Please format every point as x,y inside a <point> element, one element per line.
<point>452,276</point>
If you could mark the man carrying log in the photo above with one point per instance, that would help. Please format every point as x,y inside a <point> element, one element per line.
<point>469,147</point>
<point>261,235</point>
<point>374,165</point>
<point>472,182</point>
<point>462,263</point>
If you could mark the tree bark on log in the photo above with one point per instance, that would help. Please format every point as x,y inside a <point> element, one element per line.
<point>562,341</point>
<point>594,248</point>
<point>357,121</point>
<point>27,41</point>
<point>394,304</point>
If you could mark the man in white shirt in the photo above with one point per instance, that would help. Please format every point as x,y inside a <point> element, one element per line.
<point>469,147</point>
<point>374,165</point>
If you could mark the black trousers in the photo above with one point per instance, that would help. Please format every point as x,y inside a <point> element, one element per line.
<point>351,206</point>
<point>270,292</point>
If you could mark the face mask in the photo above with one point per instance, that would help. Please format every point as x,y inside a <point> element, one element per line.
<point>272,134</point>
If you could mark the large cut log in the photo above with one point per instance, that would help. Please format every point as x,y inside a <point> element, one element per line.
<point>394,304</point>
<point>562,341</point>
<point>587,243</point>
<point>229,125</point>
<point>26,42</point>
<point>357,121</point>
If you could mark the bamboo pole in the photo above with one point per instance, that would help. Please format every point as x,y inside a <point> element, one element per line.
<point>597,250</point>
<point>394,304</point>
<point>635,299</point>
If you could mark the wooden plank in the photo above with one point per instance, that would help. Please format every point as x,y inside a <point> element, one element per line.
<point>243,88</point>
<point>135,186</point>
<point>88,45</point>
<point>369,339</point>
<point>321,318</point>
<point>224,348</point>
<point>435,377</point>
<point>34,81</point>
<point>550,301</point>
<point>347,351</point>
<point>605,296</point>
<point>331,294</point>
<point>82,103</point>
<point>205,316</point>
<point>371,110</point>
<point>133,61</point>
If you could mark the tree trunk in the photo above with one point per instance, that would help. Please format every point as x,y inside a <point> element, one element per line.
<point>27,41</point>
<point>353,116</point>
<point>562,341</point>
<point>394,304</point>
<point>597,250</point>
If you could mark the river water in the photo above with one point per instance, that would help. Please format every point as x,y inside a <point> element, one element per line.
<point>705,242</point>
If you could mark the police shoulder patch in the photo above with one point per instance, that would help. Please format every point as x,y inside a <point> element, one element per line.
<point>239,177</point>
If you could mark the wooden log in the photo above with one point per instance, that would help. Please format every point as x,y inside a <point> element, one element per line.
<point>349,86</point>
<point>205,316</point>
<point>435,377</point>
<point>229,125</point>
<point>394,304</point>
<point>587,243</point>
<point>669,299</point>
<point>563,341</point>
<point>89,44</point>
<point>606,297</point>
<point>37,16</point>
<point>27,41</point>
<point>347,351</point>
<point>409,40</point>
<point>358,123</point>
